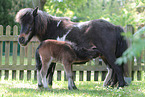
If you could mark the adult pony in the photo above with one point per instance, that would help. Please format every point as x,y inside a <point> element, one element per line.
<point>105,36</point>
<point>65,53</point>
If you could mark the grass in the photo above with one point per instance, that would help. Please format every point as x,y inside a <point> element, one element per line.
<point>17,88</point>
<point>9,88</point>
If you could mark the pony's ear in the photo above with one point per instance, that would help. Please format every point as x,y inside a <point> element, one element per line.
<point>35,12</point>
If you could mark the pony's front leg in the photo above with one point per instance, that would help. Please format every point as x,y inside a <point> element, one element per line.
<point>68,70</point>
<point>50,73</point>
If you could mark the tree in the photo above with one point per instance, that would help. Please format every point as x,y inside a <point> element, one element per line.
<point>5,17</point>
<point>39,3</point>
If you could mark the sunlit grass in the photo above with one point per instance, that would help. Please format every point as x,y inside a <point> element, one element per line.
<point>59,89</point>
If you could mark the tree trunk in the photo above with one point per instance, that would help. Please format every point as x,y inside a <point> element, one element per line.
<point>39,3</point>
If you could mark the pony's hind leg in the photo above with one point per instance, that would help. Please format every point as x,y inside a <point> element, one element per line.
<point>108,77</point>
<point>118,71</point>
<point>38,68</point>
<point>45,66</point>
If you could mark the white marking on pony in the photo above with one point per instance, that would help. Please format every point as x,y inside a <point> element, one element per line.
<point>58,23</point>
<point>70,81</point>
<point>63,37</point>
<point>39,78</point>
<point>108,76</point>
<point>81,24</point>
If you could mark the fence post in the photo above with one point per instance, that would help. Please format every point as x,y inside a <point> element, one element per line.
<point>15,45</point>
<point>128,65</point>
<point>1,46</point>
<point>7,51</point>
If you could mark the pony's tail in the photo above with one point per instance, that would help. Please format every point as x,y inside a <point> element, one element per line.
<point>121,45</point>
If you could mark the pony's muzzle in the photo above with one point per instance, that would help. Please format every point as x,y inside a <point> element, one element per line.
<point>22,40</point>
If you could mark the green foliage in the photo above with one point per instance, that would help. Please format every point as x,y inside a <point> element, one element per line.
<point>123,19</point>
<point>119,12</point>
<point>138,41</point>
<point>8,10</point>
<point>62,7</point>
<point>5,16</point>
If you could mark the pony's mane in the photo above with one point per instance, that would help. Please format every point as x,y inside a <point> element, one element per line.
<point>26,13</point>
<point>42,21</point>
<point>23,15</point>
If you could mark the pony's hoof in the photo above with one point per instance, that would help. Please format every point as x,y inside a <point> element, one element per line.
<point>70,88</point>
<point>74,87</point>
<point>50,86</point>
<point>40,85</point>
<point>47,89</point>
<point>126,84</point>
<point>120,88</point>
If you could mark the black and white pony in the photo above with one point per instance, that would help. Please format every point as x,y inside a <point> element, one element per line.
<point>98,33</point>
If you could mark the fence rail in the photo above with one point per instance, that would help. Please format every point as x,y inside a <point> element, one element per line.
<point>21,61</point>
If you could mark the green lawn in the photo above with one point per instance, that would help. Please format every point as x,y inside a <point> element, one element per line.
<point>59,89</point>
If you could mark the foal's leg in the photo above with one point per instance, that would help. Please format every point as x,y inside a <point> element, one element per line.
<point>68,70</point>
<point>45,66</point>
<point>39,79</point>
